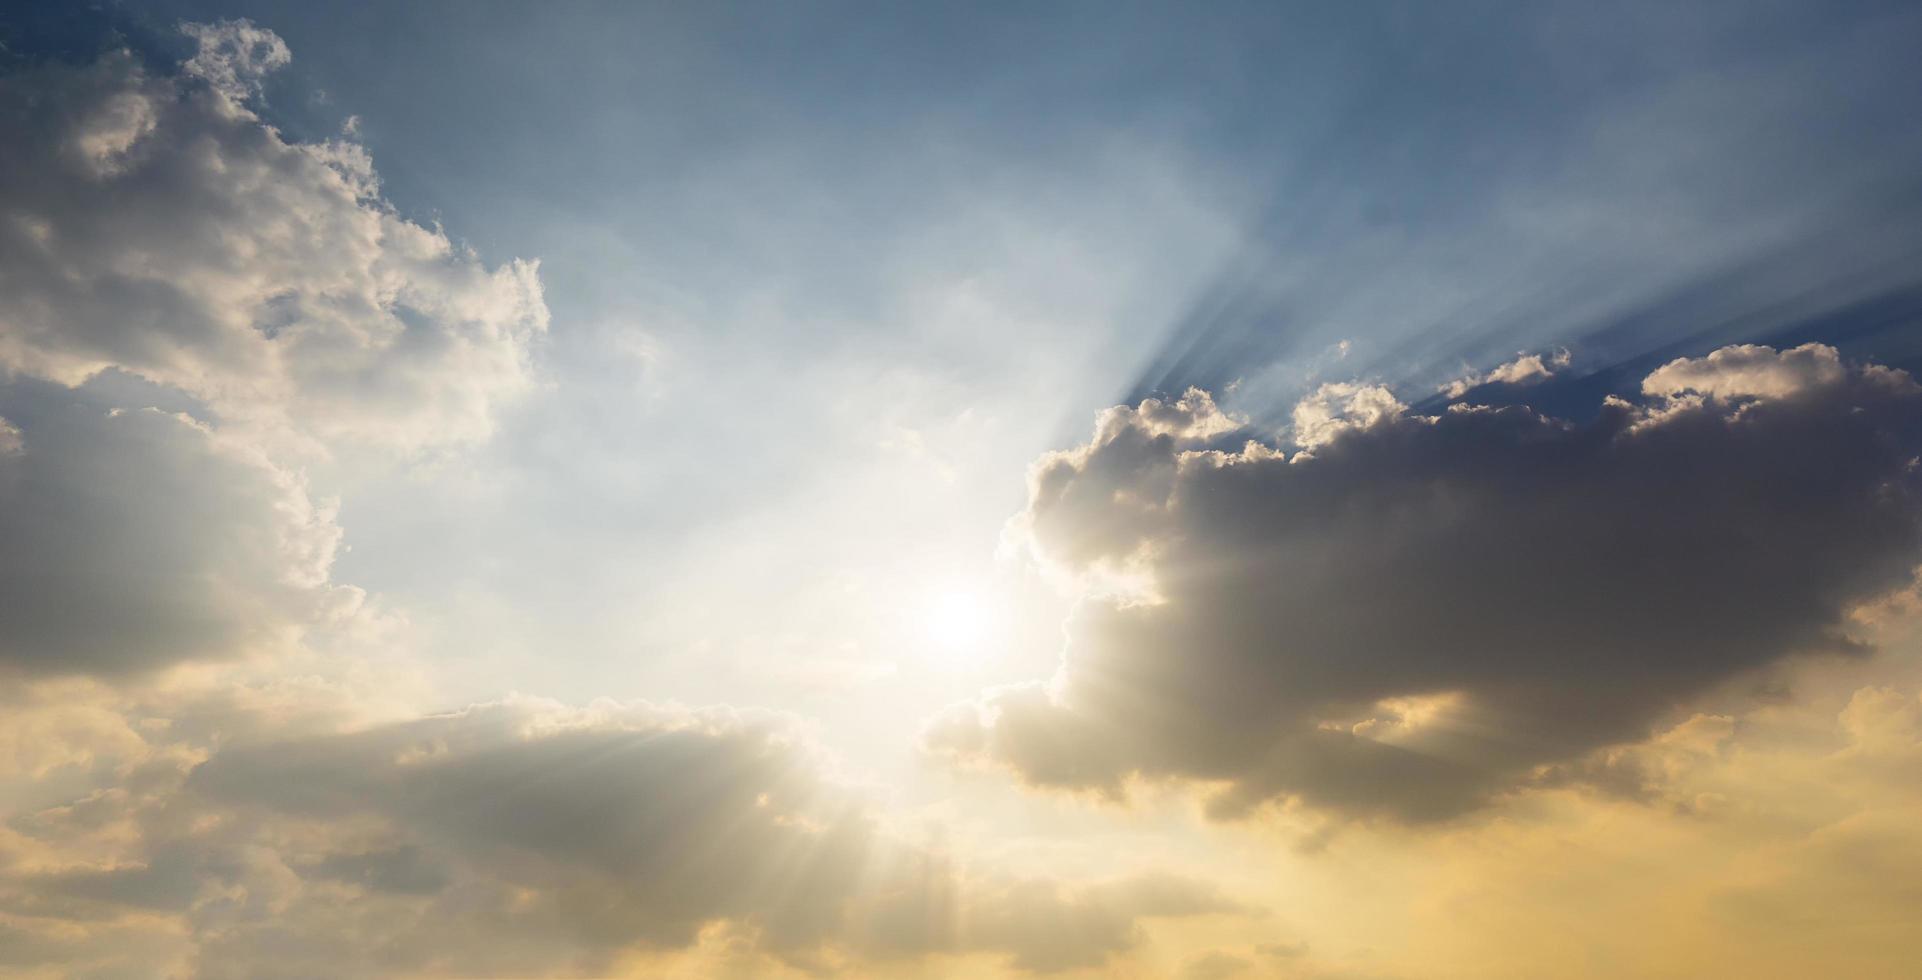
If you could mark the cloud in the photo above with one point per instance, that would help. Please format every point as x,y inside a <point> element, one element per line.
<point>1338,406</point>
<point>1418,612</point>
<point>193,308</point>
<point>234,56</point>
<point>1525,369</point>
<point>154,223</point>
<point>528,836</point>
<point>1781,834</point>
<point>132,539</point>
<point>632,824</point>
<point>1747,371</point>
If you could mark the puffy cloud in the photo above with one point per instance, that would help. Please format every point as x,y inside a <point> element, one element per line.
<point>235,56</point>
<point>525,836</point>
<point>1525,369</point>
<point>156,224</point>
<point>1747,371</point>
<point>189,305</point>
<point>137,538</point>
<point>1136,447</point>
<point>1339,406</point>
<point>1421,612</point>
<point>1193,416</point>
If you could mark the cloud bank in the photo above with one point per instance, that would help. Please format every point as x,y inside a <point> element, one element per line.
<point>522,837</point>
<point>1409,615</point>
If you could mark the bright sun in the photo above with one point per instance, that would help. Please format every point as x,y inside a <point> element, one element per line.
<point>957,621</point>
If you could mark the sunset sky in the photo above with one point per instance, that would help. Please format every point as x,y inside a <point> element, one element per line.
<point>1071,490</point>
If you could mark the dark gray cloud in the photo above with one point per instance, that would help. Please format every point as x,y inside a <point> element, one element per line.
<point>1414,612</point>
<point>639,827</point>
<point>136,538</point>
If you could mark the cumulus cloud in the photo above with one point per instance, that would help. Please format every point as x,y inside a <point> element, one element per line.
<point>235,56</point>
<point>1747,371</point>
<point>1525,369</point>
<point>155,224</point>
<point>1417,613</point>
<point>526,836</point>
<point>1192,416</point>
<point>1338,406</point>
<point>190,306</point>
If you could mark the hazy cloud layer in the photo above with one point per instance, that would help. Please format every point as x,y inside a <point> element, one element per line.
<point>1415,613</point>
<point>1767,838</point>
<point>526,837</point>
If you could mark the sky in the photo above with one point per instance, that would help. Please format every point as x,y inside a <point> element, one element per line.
<point>1069,490</point>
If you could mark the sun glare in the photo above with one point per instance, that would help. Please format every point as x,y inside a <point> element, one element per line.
<point>957,621</point>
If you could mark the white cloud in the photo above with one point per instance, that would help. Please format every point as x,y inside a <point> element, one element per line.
<point>1193,417</point>
<point>1339,406</point>
<point>1747,371</point>
<point>1525,369</point>
<point>162,228</point>
<point>234,56</point>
